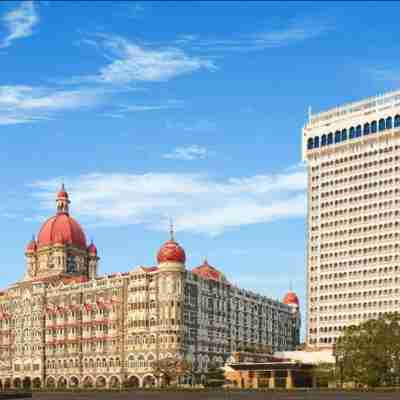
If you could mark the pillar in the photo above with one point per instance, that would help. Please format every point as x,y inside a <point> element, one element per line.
<point>289,379</point>
<point>314,379</point>
<point>255,381</point>
<point>272,380</point>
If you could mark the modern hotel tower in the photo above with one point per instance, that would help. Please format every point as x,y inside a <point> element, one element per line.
<point>353,159</point>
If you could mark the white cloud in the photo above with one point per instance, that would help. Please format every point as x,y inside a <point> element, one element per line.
<point>198,203</point>
<point>187,153</point>
<point>385,74</point>
<point>26,104</point>
<point>19,22</point>
<point>202,125</point>
<point>294,32</point>
<point>131,62</point>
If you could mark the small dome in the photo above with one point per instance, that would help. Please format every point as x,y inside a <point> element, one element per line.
<point>92,249</point>
<point>291,299</point>
<point>170,251</point>
<point>32,246</point>
<point>207,271</point>
<point>62,194</point>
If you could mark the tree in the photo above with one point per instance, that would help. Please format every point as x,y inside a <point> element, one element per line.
<point>325,373</point>
<point>170,369</point>
<point>369,354</point>
<point>215,376</point>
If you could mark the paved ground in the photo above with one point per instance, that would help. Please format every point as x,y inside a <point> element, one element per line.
<point>216,395</point>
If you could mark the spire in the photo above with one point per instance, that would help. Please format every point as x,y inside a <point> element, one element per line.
<point>62,200</point>
<point>171,230</point>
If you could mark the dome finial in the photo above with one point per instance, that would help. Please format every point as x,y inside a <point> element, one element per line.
<point>62,200</point>
<point>171,230</point>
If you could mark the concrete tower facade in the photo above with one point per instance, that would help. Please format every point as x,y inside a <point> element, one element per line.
<point>353,262</point>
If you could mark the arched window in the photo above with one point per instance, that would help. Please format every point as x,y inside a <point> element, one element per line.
<point>316,142</point>
<point>330,138</point>
<point>366,129</point>
<point>352,133</point>
<point>382,125</point>
<point>310,144</point>
<point>323,140</point>
<point>397,121</point>
<point>389,123</point>
<point>358,131</point>
<point>373,127</point>
<point>344,135</point>
<point>337,137</point>
<point>141,361</point>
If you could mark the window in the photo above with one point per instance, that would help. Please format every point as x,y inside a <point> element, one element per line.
<point>323,140</point>
<point>389,123</point>
<point>397,121</point>
<point>337,136</point>
<point>330,138</point>
<point>382,125</point>
<point>352,133</point>
<point>374,126</point>
<point>358,131</point>
<point>366,129</point>
<point>316,142</point>
<point>344,135</point>
<point>310,144</point>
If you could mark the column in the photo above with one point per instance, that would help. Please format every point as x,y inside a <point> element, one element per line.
<point>255,381</point>
<point>314,379</point>
<point>289,379</point>
<point>272,380</point>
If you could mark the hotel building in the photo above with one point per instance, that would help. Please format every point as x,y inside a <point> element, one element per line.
<point>65,326</point>
<point>352,154</point>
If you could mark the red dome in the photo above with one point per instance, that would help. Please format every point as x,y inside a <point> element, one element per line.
<point>170,251</point>
<point>61,229</point>
<point>31,247</point>
<point>92,249</point>
<point>291,298</point>
<point>62,193</point>
<point>207,271</point>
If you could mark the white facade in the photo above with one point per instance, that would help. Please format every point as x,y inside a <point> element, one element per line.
<point>352,154</point>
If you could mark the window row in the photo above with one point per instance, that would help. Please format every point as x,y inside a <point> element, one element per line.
<point>353,132</point>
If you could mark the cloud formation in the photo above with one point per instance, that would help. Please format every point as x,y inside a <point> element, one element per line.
<point>131,62</point>
<point>294,32</point>
<point>25,104</point>
<point>188,153</point>
<point>198,203</point>
<point>19,22</point>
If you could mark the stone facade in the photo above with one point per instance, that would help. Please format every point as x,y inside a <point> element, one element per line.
<point>63,325</point>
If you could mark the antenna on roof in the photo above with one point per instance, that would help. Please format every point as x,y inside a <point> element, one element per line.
<point>171,229</point>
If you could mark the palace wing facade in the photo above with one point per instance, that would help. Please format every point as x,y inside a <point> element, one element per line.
<point>62,325</point>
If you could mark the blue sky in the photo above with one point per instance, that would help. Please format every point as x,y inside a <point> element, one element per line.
<point>186,110</point>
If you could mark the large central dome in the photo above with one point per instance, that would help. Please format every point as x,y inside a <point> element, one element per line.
<point>61,229</point>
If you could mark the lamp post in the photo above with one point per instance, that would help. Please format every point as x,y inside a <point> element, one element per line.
<point>338,363</point>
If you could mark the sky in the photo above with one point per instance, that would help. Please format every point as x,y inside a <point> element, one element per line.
<point>185,110</point>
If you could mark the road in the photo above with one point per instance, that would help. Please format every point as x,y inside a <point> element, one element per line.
<point>217,395</point>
